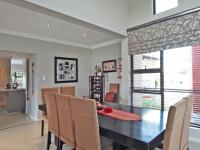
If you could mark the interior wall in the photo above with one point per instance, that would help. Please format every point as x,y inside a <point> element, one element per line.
<point>141,11</point>
<point>5,68</point>
<point>108,14</point>
<point>44,64</point>
<point>103,54</point>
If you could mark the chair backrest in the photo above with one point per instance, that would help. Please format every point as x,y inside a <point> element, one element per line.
<point>68,90</point>
<point>86,124</point>
<point>114,87</point>
<point>186,123</point>
<point>48,90</point>
<point>110,97</point>
<point>178,125</point>
<point>52,113</point>
<point>66,123</point>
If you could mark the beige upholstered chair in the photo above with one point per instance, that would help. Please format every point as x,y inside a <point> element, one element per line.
<point>113,94</point>
<point>43,92</point>
<point>177,130</point>
<point>52,114</point>
<point>186,123</point>
<point>86,124</point>
<point>114,87</point>
<point>68,90</point>
<point>66,124</point>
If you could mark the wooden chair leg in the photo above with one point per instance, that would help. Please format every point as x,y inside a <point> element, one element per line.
<point>60,144</point>
<point>57,142</point>
<point>48,140</point>
<point>42,128</point>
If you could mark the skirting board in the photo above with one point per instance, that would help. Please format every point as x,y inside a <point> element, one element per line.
<point>34,118</point>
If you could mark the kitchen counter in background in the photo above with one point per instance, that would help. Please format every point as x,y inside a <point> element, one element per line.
<point>13,100</point>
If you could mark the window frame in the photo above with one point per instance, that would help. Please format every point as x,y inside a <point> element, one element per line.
<point>146,71</point>
<point>154,8</point>
<point>162,89</point>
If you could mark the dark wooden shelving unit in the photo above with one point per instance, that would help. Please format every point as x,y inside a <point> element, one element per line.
<point>96,88</point>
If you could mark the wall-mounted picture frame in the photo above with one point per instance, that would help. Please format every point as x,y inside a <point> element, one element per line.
<point>66,69</point>
<point>109,66</point>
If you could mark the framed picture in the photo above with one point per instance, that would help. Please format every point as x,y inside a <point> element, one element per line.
<point>109,66</point>
<point>66,69</point>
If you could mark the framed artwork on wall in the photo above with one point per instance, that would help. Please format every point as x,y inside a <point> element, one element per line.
<point>66,69</point>
<point>109,66</point>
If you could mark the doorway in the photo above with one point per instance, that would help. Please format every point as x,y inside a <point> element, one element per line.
<point>14,89</point>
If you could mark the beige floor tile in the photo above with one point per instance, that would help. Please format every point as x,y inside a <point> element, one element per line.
<point>8,120</point>
<point>26,137</point>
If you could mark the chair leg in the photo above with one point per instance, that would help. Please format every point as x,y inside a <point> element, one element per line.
<point>42,128</point>
<point>48,140</point>
<point>57,142</point>
<point>60,144</point>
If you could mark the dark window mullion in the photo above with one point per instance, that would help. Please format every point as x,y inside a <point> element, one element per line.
<point>131,79</point>
<point>154,7</point>
<point>147,91</point>
<point>141,71</point>
<point>162,79</point>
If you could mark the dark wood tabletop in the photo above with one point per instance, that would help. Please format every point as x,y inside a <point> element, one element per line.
<point>142,135</point>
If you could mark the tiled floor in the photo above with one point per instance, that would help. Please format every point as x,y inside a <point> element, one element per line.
<point>27,137</point>
<point>8,120</point>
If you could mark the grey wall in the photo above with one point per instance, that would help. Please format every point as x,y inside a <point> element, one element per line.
<point>141,11</point>
<point>107,53</point>
<point>44,53</point>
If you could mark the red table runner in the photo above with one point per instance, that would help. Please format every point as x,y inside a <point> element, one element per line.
<point>121,115</point>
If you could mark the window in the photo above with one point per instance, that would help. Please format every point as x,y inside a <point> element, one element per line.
<point>163,5</point>
<point>162,78</point>
<point>147,80</point>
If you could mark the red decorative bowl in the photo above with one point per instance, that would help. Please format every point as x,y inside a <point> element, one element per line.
<point>107,110</point>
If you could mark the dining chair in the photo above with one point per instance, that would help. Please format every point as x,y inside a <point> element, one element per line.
<point>68,90</point>
<point>110,97</point>
<point>52,114</point>
<point>66,123</point>
<point>86,124</point>
<point>186,123</point>
<point>114,87</point>
<point>177,129</point>
<point>43,92</point>
<point>113,94</point>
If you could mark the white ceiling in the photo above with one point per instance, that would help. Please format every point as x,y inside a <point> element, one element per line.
<point>20,21</point>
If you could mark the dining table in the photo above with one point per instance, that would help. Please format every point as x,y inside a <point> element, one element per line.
<point>144,134</point>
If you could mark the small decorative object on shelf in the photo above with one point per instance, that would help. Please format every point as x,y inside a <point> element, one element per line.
<point>98,71</point>
<point>119,68</point>
<point>96,88</point>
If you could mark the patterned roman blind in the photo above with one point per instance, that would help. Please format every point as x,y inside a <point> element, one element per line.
<point>173,32</point>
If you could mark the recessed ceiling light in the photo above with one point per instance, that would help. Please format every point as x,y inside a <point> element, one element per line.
<point>84,35</point>
<point>48,25</point>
